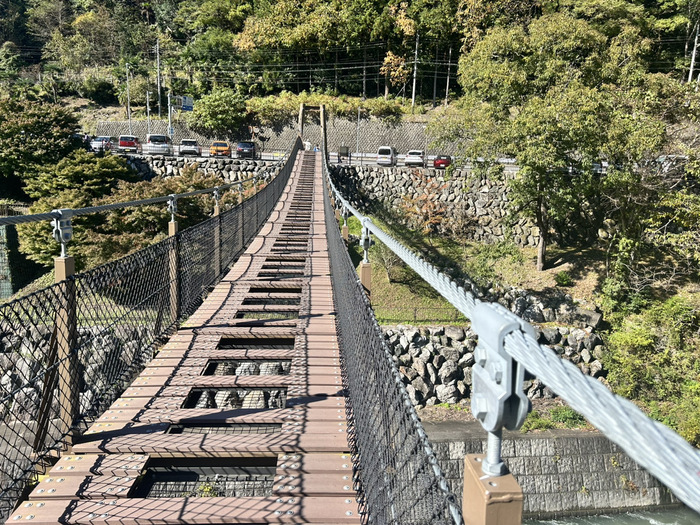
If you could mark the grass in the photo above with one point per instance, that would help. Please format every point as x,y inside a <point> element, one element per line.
<point>406,297</point>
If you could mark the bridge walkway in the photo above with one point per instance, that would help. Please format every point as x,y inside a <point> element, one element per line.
<point>240,418</point>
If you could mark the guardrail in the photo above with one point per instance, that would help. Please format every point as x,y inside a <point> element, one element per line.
<point>507,346</point>
<point>69,350</point>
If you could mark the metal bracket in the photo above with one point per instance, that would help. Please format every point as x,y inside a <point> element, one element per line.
<point>63,228</point>
<point>366,240</point>
<point>498,399</point>
<point>217,195</point>
<point>172,206</point>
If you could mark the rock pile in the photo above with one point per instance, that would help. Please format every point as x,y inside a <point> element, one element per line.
<point>436,362</point>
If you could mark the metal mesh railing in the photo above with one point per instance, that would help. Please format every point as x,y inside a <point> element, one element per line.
<point>68,351</point>
<point>655,447</point>
<point>397,475</point>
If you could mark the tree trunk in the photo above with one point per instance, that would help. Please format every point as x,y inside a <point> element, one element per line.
<point>692,58</point>
<point>540,219</point>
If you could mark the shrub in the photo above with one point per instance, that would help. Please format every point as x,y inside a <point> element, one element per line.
<point>534,421</point>
<point>98,90</point>
<point>567,416</point>
<point>563,279</point>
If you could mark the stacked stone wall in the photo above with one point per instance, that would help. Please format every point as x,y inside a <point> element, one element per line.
<point>562,473</point>
<point>228,170</point>
<point>474,207</point>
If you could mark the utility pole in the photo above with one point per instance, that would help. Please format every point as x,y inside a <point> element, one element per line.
<point>148,111</point>
<point>170,120</point>
<point>128,99</point>
<point>692,58</point>
<point>357,135</point>
<point>435,76</point>
<point>449,66</point>
<point>415,74</point>
<point>364,74</point>
<point>158,72</point>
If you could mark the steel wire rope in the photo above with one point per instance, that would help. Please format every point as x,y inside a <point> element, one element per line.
<point>652,445</point>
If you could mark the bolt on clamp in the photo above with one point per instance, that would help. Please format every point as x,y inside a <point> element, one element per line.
<point>63,228</point>
<point>498,399</point>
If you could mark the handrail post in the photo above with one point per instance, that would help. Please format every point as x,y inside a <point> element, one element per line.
<point>62,361</point>
<point>366,266</point>
<point>491,493</point>
<point>174,265</point>
<point>345,230</point>
<point>217,232</point>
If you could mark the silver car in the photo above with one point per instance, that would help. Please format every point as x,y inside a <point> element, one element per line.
<point>158,145</point>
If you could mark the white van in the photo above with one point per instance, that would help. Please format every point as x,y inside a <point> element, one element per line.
<point>386,156</point>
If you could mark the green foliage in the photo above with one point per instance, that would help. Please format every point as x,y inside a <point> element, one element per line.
<point>534,421</point>
<point>81,171</point>
<point>655,353</point>
<point>480,262</point>
<point>219,114</point>
<point>99,90</point>
<point>567,416</point>
<point>563,279</point>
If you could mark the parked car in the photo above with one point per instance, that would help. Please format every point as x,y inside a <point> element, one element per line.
<point>442,161</point>
<point>190,147</point>
<point>386,156</point>
<point>220,149</point>
<point>129,143</point>
<point>245,149</point>
<point>102,144</point>
<point>158,145</point>
<point>414,157</point>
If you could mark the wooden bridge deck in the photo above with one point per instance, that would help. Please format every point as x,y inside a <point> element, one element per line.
<point>240,418</point>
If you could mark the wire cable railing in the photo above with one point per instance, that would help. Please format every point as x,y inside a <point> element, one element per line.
<point>396,472</point>
<point>68,351</point>
<point>665,454</point>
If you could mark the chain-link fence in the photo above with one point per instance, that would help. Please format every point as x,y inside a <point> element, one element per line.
<point>397,475</point>
<point>68,351</point>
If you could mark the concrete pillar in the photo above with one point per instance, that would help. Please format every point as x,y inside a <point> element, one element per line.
<point>366,276</point>
<point>490,500</point>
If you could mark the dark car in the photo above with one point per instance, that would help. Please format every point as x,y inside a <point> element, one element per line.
<point>245,150</point>
<point>442,161</point>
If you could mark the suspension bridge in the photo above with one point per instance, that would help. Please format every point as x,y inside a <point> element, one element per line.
<point>234,373</point>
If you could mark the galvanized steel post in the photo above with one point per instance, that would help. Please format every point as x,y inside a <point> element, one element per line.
<point>174,261</point>
<point>217,232</point>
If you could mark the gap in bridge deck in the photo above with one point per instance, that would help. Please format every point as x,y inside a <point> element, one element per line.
<point>208,477</point>
<point>234,398</point>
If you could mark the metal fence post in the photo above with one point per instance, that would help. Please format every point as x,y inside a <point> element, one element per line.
<point>174,269</point>
<point>217,232</point>
<point>490,492</point>
<point>63,358</point>
<point>345,230</point>
<point>366,266</point>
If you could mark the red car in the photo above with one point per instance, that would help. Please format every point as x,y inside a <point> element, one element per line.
<point>442,161</point>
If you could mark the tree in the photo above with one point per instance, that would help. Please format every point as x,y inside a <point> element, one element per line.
<point>560,97</point>
<point>219,114</point>
<point>31,134</point>
<point>75,181</point>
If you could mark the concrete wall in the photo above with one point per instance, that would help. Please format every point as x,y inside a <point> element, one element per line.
<point>562,473</point>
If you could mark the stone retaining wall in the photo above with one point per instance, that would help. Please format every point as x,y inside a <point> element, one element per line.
<point>562,473</point>
<point>473,206</point>
<point>229,170</point>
